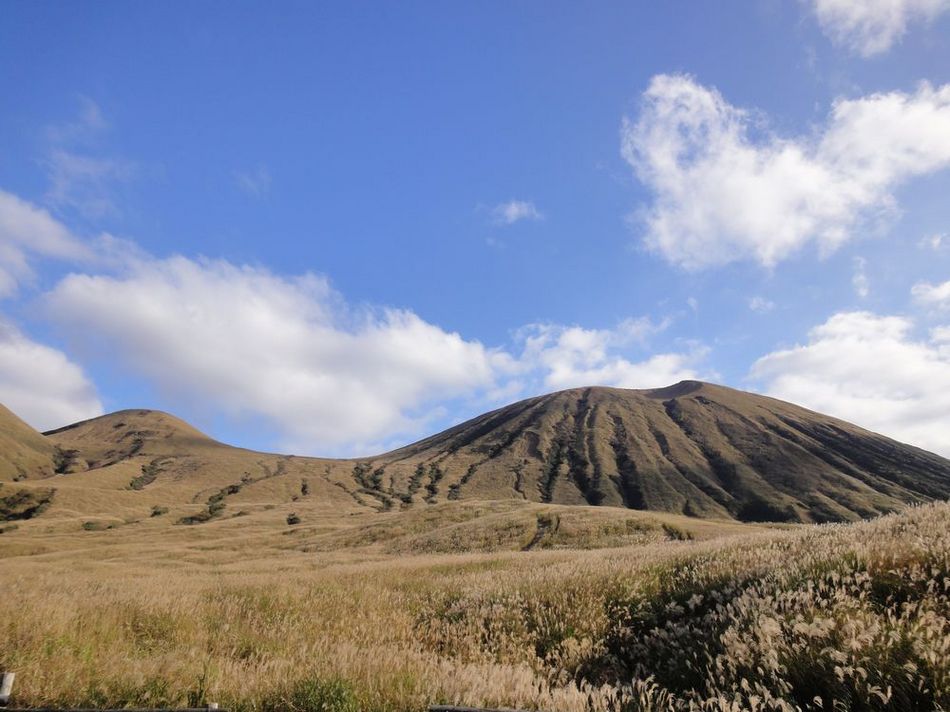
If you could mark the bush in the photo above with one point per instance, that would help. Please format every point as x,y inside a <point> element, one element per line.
<point>158,511</point>
<point>292,518</point>
<point>315,695</point>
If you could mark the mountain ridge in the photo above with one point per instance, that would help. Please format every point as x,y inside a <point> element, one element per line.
<point>692,448</point>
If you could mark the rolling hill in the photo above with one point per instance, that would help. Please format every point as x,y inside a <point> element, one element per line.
<point>693,449</point>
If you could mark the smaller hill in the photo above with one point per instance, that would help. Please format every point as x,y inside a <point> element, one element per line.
<point>118,436</point>
<point>24,452</point>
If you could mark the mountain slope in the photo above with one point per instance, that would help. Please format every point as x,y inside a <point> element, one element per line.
<point>693,449</point>
<point>24,453</point>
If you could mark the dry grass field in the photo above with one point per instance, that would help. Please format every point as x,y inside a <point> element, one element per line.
<point>510,604</point>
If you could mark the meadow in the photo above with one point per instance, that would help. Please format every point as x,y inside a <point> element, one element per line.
<point>853,617</point>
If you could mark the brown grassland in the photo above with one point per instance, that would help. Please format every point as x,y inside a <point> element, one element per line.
<point>606,609</point>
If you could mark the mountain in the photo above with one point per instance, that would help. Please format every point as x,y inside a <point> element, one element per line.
<point>693,449</point>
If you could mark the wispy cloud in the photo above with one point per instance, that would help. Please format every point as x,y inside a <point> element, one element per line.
<point>936,242</point>
<point>860,280</point>
<point>80,178</point>
<point>761,305</point>
<point>84,183</point>
<point>255,183</point>
<point>515,211</point>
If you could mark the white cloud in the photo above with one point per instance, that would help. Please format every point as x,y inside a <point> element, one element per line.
<point>27,231</point>
<point>255,183</point>
<point>936,296</point>
<point>40,384</point>
<point>868,369</point>
<point>287,349</point>
<point>870,27</point>
<point>860,280</point>
<point>514,211</point>
<point>726,189</point>
<point>571,356</point>
<point>761,305</point>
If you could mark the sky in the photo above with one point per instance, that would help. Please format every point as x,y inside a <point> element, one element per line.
<point>334,228</point>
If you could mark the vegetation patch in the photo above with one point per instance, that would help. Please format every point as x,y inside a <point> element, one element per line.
<point>455,491</point>
<point>150,471</point>
<point>215,506</point>
<point>25,504</point>
<point>415,483</point>
<point>63,459</point>
<point>432,488</point>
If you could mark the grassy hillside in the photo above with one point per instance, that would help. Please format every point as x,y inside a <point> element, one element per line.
<point>833,617</point>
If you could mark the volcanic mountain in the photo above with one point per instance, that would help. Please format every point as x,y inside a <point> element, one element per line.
<point>693,449</point>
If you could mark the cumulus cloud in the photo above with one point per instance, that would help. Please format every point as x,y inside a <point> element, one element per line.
<point>40,384</point>
<point>571,356</point>
<point>727,189</point>
<point>287,349</point>
<point>936,296</point>
<point>870,370</point>
<point>871,27</point>
<point>514,211</point>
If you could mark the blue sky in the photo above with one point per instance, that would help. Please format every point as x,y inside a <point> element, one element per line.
<point>334,228</point>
